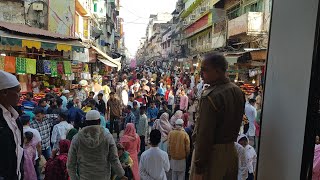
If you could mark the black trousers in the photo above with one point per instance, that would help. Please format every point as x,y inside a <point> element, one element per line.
<point>114,125</point>
<point>142,144</point>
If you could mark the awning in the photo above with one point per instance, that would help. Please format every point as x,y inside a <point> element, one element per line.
<point>108,58</point>
<point>21,35</point>
<point>106,62</point>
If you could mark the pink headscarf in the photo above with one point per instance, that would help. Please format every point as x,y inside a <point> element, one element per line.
<point>129,133</point>
<point>316,163</point>
<point>176,116</point>
<point>163,125</point>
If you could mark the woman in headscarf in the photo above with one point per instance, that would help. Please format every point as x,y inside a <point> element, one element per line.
<point>176,116</point>
<point>316,161</point>
<point>131,143</point>
<point>164,127</point>
<point>56,168</point>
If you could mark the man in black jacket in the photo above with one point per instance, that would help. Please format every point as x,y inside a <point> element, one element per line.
<point>11,136</point>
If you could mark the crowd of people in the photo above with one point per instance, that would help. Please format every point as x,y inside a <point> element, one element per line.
<point>144,123</point>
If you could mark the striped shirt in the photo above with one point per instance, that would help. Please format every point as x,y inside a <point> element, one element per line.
<point>44,128</point>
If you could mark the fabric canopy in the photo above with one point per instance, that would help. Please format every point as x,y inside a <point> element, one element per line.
<point>108,63</point>
<point>108,58</point>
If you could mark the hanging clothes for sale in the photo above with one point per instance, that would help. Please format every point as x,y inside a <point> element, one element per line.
<point>60,68</point>
<point>46,67</point>
<point>10,64</point>
<point>1,63</point>
<point>31,66</point>
<point>21,65</point>
<point>54,70</point>
<point>40,67</point>
<point>67,67</point>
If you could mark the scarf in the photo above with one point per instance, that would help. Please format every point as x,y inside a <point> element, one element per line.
<point>64,146</point>
<point>176,116</point>
<point>129,133</point>
<point>163,125</point>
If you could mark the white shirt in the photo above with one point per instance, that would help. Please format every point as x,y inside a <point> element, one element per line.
<point>11,115</point>
<point>171,99</point>
<point>36,136</point>
<point>154,163</point>
<point>59,132</point>
<point>251,157</point>
<point>124,97</point>
<point>242,170</point>
<point>251,114</point>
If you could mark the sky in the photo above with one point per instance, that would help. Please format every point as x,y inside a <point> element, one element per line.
<point>136,17</point>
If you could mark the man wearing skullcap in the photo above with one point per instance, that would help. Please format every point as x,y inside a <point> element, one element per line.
<point>11,136</point>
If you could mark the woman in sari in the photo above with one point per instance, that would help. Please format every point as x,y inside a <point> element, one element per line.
<point>176,116</point>
<point>164,127</point>
<point>131,143</point>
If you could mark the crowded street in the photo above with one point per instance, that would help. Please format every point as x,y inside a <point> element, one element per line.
<point>121,90</point>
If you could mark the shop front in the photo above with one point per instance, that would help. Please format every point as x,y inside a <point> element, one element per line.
<point>41,60</point>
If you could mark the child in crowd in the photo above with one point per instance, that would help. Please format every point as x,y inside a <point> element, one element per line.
<point>29,150</point>
<point>125,161</point>
<point>251,156</point>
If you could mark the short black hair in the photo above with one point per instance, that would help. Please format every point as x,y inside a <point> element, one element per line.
<point>91,93</point>
<point>112,93</point>
<point>25,119</point>
<point>143,109</point>
<point>38,110</point>
<point>92,102</point>
<point>59,101</point>
<point>28,135</point>
<point>252,101</point>
<point>129,107</point>
<point>100,94</point>
<point>217,60</point>
<point>64,115</point>
<point>42,100</point>
<point>30,94</point>
<point>155,137</point>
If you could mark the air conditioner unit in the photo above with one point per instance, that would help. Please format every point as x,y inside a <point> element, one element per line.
<point>37,6</point>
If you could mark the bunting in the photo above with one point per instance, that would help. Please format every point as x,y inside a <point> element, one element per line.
<point>1,63</point>
<point>10,64</point>
<point>54,71</point>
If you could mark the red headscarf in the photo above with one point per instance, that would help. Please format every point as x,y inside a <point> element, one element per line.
<point>64,146</point>
<point>129,133</point>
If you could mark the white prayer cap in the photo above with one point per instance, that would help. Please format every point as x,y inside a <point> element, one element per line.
<point>65,92</point>
<point>92,115</point>
<point>179,122</point>
<point>7,80</point>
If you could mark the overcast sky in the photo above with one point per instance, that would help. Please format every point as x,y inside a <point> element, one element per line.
<point>136,16</point>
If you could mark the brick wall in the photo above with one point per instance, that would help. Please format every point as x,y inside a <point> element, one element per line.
<point>12,11</point>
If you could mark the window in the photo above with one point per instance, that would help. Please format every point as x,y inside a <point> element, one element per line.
<point>233,12</point>
<point>254,7</point>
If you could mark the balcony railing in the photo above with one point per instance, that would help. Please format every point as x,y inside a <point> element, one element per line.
<point>251,23</point>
